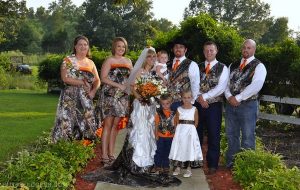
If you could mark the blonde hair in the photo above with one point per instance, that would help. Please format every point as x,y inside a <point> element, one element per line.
<point>149,53</point>
<point>166,97</point>
<point>186,91</point>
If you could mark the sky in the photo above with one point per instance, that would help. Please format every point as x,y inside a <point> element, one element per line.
<point>173,10</point>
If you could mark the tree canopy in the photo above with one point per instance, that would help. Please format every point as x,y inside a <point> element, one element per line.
<point>251,17</point>
<point>103,20</point>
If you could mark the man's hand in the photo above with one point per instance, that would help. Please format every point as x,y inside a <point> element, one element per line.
<point>203,103</point>
<point>232,101</point>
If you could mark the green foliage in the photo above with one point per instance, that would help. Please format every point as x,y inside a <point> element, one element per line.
<point>75,154</point>
<point>197,30</point>
<point>3,79</point>
<point>50,166</point>
<point>277,32</point>
<point>50,68</point>
<point>103,20</point>
<point>282,62</point>
<point>252,18</point>
<point>12,13</point>
<point>21,186</point>
<point>29,37</point>
<point>99,56</point>
<point>277,180</point>
<point>38,171</point>
<point>249,163</point>
<point>5,62</point>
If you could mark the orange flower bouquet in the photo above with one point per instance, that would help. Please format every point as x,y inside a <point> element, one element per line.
<point>150,89</point>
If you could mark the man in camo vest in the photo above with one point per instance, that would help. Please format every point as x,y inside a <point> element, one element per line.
<point>184,74</point>
<point>213,82</point>
<point>246,79</point>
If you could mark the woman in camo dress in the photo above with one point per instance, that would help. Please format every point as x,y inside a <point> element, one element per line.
<point>113,102</point>
<point>75,117</point>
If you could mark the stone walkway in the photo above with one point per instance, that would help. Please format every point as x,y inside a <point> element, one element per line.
<point>196,182</point>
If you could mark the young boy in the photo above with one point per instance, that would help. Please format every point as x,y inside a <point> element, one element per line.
<point>161,66</point>
<point>164,132</point>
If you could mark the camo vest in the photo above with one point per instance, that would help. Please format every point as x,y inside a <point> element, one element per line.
<point>240,79</point>
<point>179,80</point>
<point>210,80</point>
<point>166,124</point>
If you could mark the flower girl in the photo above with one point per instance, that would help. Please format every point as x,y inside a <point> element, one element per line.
<point>186,145</point>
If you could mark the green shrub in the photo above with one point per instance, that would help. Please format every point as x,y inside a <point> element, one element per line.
<point>15,187</point>
<point>49,69</point>
<point>249,163</point>
<point>38,171</point>
<point>5,62</point>
<point>278,179</point>
<point>75,154</point>
<point>3,79</point>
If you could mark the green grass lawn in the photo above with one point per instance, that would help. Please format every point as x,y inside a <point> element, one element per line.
<point>24,115</point>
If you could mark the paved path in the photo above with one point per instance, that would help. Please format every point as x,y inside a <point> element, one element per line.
<point>196,182</point>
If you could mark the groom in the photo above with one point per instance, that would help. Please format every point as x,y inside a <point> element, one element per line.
<point>184,74</point>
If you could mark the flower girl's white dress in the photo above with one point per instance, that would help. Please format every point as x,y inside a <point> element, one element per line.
<point>186,144</point>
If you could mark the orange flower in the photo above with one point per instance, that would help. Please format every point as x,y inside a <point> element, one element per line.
<point>99,132</point>
<point>122,123</point>
<point>148,90</point>
<point>86,142</point>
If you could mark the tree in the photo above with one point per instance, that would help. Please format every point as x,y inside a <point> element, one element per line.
<point>197,30</point>
<point>59,22</point>
<point>251,17</point>
<point>163,25</point>
<point>278,32</point>
<point>12,13</point>
<point>30,36</point>
<point>103,20</point>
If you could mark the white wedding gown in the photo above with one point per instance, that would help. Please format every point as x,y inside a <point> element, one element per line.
<point>142,137</point>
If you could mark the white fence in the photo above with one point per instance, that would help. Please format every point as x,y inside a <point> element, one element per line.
<point>278,117</point>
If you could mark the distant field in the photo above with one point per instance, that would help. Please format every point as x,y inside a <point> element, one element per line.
<point>24,115</point>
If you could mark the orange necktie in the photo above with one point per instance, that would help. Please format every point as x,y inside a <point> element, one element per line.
<point>207,68</point>
<point>176,64</point>
<point>243,64</point>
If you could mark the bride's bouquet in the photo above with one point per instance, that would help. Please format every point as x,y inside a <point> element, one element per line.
<point>150,89</point>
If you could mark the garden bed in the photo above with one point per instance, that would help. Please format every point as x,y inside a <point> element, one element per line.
<point>283,139</point>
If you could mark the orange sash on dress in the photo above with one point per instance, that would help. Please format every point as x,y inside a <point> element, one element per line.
<point>118,65</point>
<point>88,68</point>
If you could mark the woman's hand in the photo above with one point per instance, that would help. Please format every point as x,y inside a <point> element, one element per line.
<point>122,87</point>
<point>87,86</point>
<point>91,94</point>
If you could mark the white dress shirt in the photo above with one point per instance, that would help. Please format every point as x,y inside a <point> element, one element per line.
<point>222,83</point>
<point>194,76</point>
<point>256,84</point>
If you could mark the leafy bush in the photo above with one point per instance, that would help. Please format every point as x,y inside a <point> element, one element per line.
<point>50,68</point>
<point>75,154</point>
<point>20,186</point>
<point>278,179</point>
<point>3,79</point>
<point>249,163</point>
<point>38,171</point>
<point>5,62</point>
<point>46,166</point>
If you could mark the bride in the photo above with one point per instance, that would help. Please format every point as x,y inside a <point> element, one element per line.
<point>132,166</point>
